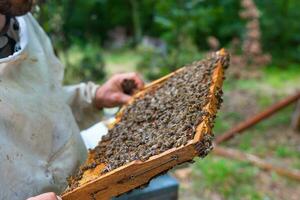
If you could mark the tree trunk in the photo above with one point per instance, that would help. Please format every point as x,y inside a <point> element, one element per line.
<point>136,21</point>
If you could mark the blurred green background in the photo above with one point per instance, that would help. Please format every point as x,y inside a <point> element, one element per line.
<point>96,38</point>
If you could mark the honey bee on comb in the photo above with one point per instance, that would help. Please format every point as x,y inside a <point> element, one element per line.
<point>166,116</point>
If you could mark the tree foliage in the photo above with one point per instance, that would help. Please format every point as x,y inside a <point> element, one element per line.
<point>84,22</point>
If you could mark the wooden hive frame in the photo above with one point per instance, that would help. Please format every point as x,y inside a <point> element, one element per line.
<point>137,173</point>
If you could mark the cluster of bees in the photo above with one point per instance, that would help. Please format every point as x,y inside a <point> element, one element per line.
<point>128,86</point>
<point>161,119</point>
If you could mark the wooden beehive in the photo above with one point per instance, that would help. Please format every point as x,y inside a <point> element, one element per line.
<point>134,174</point>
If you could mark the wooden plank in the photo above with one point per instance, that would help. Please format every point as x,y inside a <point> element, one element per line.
<point>295,123</point>
<point>125,178</point>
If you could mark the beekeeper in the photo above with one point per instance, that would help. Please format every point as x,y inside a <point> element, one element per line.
<point>40,120</point>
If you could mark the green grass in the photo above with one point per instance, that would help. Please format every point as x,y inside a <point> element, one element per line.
<point>273,77</point>
<point>283,151</point>
<point>232,179</point>
<point>121,56</point>
<point>264,101</point>
<point>121,61</point>
<point>281,77</point>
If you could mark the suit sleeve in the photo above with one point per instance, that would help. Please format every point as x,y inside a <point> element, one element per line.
<point>81,100</point>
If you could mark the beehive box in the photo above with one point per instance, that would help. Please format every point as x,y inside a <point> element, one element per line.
<point>168,123</point>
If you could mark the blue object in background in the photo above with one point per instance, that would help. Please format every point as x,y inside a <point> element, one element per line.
<point>163,187</point>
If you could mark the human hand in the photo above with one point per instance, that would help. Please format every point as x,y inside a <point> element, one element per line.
<point>46,196</point>
<point>111,93</point>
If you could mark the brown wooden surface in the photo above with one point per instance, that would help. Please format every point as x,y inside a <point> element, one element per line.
<point>125,178</point>
<point>296,118</point>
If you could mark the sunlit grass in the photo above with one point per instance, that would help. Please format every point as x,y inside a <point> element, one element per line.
<point>282,76</point>
<point>121,61</point>
<point>230,178</point>
<point>272,78</point>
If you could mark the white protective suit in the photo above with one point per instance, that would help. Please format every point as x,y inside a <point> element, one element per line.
<point>40,143</point>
